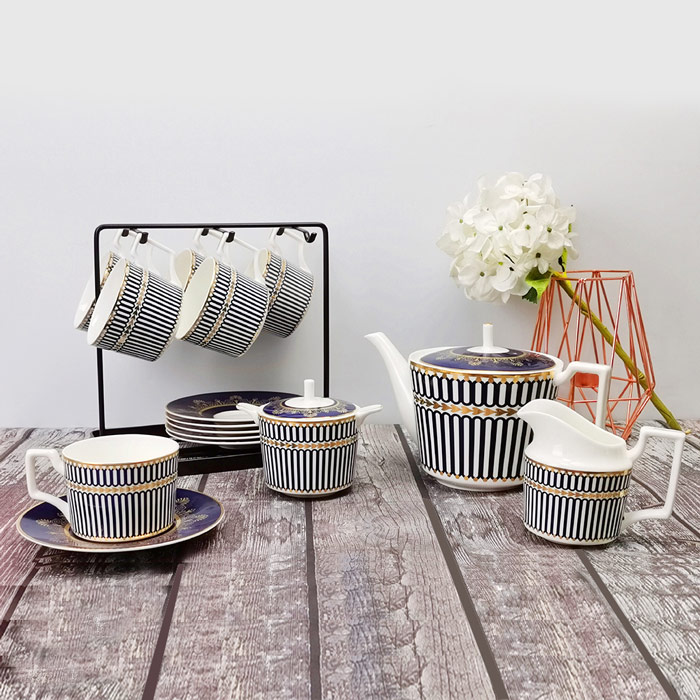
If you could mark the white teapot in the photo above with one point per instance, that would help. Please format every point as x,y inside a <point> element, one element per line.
<point>460,405</point>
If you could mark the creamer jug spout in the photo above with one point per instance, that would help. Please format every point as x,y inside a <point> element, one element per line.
<point>564,438</point>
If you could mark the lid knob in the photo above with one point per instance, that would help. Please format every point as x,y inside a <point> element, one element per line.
<point>309,399</point>
<point>487,347</point>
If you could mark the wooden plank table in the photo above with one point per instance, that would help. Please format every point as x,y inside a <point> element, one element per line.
<point>401,588</point>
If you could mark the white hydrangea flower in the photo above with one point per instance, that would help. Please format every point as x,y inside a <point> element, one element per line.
<point>509,228</point>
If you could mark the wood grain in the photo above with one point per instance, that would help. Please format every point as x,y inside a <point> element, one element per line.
<point>16,554</point>
<point>660,596</point>
<point>86,624</point>
<point>653,571</point>
<point>240,626</point>
<point>550,628</point>
<point>391,623</point>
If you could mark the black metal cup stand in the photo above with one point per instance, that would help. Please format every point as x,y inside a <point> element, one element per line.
<point>202,459</point>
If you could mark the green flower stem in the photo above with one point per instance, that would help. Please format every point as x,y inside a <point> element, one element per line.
<point>565,284</point>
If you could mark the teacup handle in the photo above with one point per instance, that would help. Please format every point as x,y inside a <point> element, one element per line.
<point>150,244</point>
<point>603,372</point>
<point>635,453</point>
<point>197,244</point>
<point>273,245</point>
<point>257,270</point>
<point>30,459</point>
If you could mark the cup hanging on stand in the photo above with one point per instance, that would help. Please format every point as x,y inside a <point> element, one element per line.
<point>109,259</point>
<point>223,309</point>
<point>187,261</point>
<point>137,311</point>
<point>291,286</point>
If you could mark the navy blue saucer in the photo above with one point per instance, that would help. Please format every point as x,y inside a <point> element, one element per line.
<point>195,514</point>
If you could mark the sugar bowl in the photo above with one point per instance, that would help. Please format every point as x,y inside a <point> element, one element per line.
<point>309,442</point>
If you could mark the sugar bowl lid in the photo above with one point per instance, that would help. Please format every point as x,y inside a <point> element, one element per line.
<point>308,406</point>
<point>488,357</point>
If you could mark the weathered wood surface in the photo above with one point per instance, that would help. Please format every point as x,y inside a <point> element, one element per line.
<point>241,624</point>
<point>391,622</point>
<point>401,588</point>
<point>562,639</point>
<point>85,625</point>
<point>653,571</point>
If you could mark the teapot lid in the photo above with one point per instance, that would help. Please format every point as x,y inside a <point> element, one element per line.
<point>308,406</point>
<point>488,357</point>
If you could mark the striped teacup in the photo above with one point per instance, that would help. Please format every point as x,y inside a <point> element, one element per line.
<point>86,306</point>
<point>136,312</point>
<point>222,309</point>
<point>291,286</point>
<point>119,487</point>
<point>186,262</point>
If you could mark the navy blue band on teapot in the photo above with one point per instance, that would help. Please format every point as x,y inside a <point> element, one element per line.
<point>488,357</point>
<point>469,359</point>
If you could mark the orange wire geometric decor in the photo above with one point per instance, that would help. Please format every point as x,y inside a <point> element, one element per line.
<point>565,330</point>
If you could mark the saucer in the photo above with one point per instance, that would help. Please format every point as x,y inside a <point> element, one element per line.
<point>211,440</point>
<point>195,514</point>
<point>219,427</point>
<point>204,407</point>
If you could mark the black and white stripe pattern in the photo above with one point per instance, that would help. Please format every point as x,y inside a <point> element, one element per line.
<point>196,259</point>
<point>112,260</point>
<point>242,318</point>
<point>573,507</point>
<point>224,277</point>
<point>143,321</point>
<point>308,459</point>
<point>467,427</point>
<point>124,308</point>
<point>311,432</point>
<point>491,392</point>
<point>309,471</point>
<point>121,502</point>
<point>584,482</point>
<point>156,320</point>
<point>291,289</point>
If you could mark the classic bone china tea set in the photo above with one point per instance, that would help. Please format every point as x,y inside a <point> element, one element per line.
<point>484,418</point>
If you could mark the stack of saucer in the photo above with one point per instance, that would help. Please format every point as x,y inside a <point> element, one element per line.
<point>212,419</point>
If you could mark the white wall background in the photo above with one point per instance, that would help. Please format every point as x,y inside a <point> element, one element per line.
<point>372,117</point>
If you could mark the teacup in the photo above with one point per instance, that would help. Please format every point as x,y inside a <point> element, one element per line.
<point>223,309</point>
<point>119,487</point>
<point>187,261</point>
<point>86,305</point>
<point>291,286</point>
<point>136,312</point>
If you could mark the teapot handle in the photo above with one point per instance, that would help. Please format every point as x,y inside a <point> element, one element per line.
<point>603,372</point>
<point>635,453</point>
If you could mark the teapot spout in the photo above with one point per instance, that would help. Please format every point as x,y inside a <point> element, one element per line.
<point>400,376</point>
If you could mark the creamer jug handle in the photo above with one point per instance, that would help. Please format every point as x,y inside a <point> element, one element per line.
<point>635,453</point>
